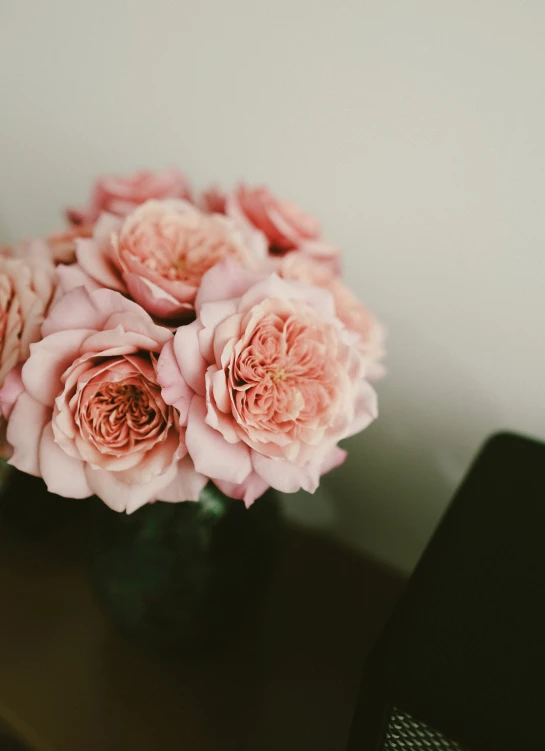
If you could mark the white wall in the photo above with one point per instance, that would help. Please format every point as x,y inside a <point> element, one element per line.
<point>414,128</point>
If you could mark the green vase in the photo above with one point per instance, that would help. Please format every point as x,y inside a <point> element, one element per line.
<point>183,576</point>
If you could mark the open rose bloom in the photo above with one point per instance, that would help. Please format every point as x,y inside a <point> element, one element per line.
<point>88,415</point>
<point>267,381</point>
<point>121,195</point>
<point>159,344</point>
<point>158,255</point>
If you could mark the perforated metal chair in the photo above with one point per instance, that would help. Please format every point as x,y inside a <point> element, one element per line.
<point>461,664</point>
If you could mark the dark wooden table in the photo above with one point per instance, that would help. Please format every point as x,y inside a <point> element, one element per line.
<point>69,683</point>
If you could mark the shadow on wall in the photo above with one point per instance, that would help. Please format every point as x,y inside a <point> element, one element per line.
<point>401,472</point>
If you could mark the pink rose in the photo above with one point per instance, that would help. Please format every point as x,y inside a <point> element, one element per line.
<point>286,226</point>
<point>121,195</point>
<point>87,414</point>
<point>27,287</point>
<point>159,253</point>
<point>348,308</point>
<point>267,381</point>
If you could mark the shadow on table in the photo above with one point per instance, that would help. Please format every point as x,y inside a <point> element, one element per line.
<point>288,681</point>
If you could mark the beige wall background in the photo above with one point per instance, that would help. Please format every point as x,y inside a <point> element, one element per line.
<point>414,129</point>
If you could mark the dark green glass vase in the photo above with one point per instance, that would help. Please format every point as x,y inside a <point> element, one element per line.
<point>182,576</point>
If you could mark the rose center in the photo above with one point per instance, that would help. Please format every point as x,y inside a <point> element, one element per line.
<point>179,251</point>
<point>122,414</point>
<point>279,374</point>
<point>122,396</point>
<point>180,265</point>
<point>286,380</point>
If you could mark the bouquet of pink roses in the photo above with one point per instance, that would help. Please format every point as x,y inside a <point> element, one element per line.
<point>165,340</point>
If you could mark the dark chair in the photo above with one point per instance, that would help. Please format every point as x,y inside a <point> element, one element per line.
<point>461,664</point>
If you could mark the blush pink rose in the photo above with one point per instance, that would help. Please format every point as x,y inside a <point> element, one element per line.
<point>267,381</point>
<point>159,253</point>
<point>121,195</point>
<point>27,288</point>
<point>349,310</point>
<point>87,414</point>
<point>286,227</point>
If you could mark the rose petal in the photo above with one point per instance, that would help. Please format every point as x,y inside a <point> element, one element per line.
<point>225,281</point>
<point>333,459</point>
<point>80,309</point>
<point>284,476</point>
<point>117,341</point>
<point>211,454</point>
<point>175,390</point>
<point>322,253</point>
<point>88,453</point>
<point>366,409</point>
<point>74,276</point>
<point>11,390</point>
<point>154,299</point>
<point>47,362</point>
<point>28,419</point>
<point>225,332</point>
<point>120,195</point>
<point>274,287</point>
<point>213,313</point>
<point>95,258</point>
<point>248,491</point>
<point>375,371</point>
<point>218,386</point>
<point>121,496</point>
<point>106,225</point>
<point>221,420</point>
<point>188,355</point>
<point>155,462</point>
<point>62,474</point>
<point>224,424</point>
<point>186,486</point>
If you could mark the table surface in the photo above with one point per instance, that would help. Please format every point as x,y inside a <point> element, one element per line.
<point>69,683</point>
